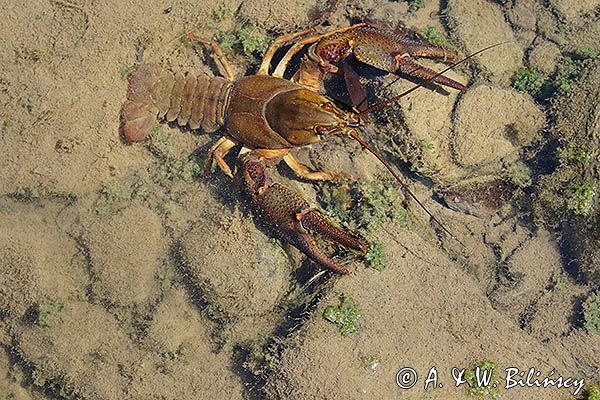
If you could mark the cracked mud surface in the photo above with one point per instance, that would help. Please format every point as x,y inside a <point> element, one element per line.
<point>125,274</point>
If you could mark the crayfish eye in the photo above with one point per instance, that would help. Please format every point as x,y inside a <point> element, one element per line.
<point>327,106</point>
<point>321,130</point>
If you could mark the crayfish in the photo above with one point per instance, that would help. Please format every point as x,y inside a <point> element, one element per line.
<point>269,116</point>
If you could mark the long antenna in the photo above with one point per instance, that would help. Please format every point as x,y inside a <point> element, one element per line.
<point>364,144</point>
<point>396,98</point>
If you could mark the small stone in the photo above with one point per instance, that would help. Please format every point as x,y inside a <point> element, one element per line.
<point>271,16</point>
<point>573,10</point>
<point>545,56</point>
<point>239,271</point>
<point>125,253</point>
<point>37,263</point>
<point>490,125</point>
<point>480,23</point>
<point>64,354</point>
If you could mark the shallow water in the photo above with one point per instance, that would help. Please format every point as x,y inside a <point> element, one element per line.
<point>126,273</point>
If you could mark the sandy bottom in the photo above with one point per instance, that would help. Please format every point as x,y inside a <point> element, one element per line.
<point>127,274</point>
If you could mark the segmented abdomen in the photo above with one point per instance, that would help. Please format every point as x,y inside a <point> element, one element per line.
<point>197,101</point>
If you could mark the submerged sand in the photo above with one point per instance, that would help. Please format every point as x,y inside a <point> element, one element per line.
<point>126,274</point>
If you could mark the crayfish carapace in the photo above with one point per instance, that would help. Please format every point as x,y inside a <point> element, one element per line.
<point>269,116</point>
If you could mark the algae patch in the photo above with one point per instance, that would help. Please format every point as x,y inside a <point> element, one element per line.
<point>527,79</point>
<point>112,197</point>
<point>47,313</point>
<point>593,392</point>
<point>558,281</point>
<point>580,199</point>
<point>127,71</point>
<point>415,5</point>
<point>520,175</point>
<point>161,143</point>
<point>376,256</point>
<point>223,13</point>
<point>569,69</point>
<point>571,152</point>
<point>247,39</point>
<point>345,315</point>
<point>433,36</point>
<point>482,379</point>
<point>367,205</point>
<point>372,362</point>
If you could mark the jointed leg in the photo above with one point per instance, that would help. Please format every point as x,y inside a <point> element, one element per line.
<point>222,62</point>
<point>295,49</point>
<point>302,172</point>
<point>313,68</point>
<point>276,45</point>
<point>417,49</point>
<point>217,153</point>
<point>270,157</point>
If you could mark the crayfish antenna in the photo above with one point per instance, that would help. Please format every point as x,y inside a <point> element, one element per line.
<point>387,165</point>
<point>384,103</point>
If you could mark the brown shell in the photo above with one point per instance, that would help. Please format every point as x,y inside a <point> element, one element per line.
<point>195,101</point>
<point>246,122</point>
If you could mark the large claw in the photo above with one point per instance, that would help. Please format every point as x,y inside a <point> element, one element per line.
<point>290,216</point>
<point>385,49</point>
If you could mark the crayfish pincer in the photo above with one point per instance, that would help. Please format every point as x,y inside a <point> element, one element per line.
<point>268,116</point>
<point>292,217</point>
